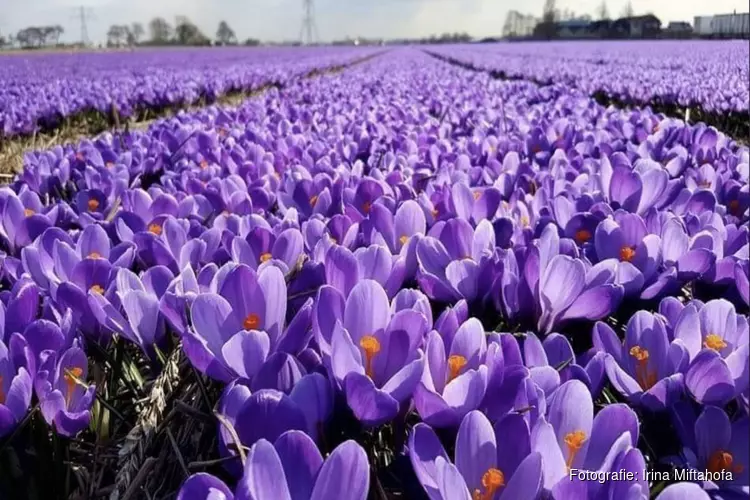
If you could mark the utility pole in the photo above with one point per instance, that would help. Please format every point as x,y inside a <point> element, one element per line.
<point>83,15</point>
<point>309,31</point>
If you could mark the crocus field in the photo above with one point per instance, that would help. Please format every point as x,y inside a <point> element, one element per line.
<point>497,272</point>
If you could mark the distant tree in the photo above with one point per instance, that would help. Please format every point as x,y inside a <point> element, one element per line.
<point>546,28</point>
<point>603,12</point>
<point>160,31</point>
<point>225,35</point>
<point>114,35</point>
<point>33,36</point>
<point>187,33</point>
<point>628,10</point>
<point>137,31</point>
<point>251,42</point>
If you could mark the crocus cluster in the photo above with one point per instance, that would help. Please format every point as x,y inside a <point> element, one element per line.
<point>42,91</point>
<point>628,71</point>
<point>405,241</point>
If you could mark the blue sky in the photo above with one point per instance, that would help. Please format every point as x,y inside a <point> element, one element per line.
<point>280,19</point>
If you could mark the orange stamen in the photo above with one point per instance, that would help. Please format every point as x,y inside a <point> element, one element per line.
<point>204,164</point>
<point>313,200</point>
<point>28,212</point>
<point>252,322</point>
<point>371,346</point>
<point>70,382</point>
<point>492,480</point>
<point>155,229</point>
<point>714,342</point>
<point>582,236</point>
<point>403,239</point>
<point>93,204</point>
<point>366,206</point>
<point>477,195</point>
<point>734,207</point>
<point>574,441</point>
<point>646,378</point>
<point>722,460</point>
<point>265,257</point>
<point>525,221</point>
<point>455,364</point>
<point>109,164</point>
<point>94,255</point>
<point>627,254</point>
<point>435,213</point>
<point>97,289</point>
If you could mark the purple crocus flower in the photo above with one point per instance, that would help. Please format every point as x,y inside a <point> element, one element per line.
<point>489,463</point>
<point>21,308</point>
<point>375,357</point>
<point>741,273</point>
<point>139,298</point>
<point>714,448</point>
<point>261,247</point>
<point>89,276</point>
<point>683,491</point>
<point>717,341</point>
<point>400,232</point>
<point>60,386</point>
<point>553,362</point>
<point>636,253</point>
<point>566,288</point>
<point>290,468</point>
<point>450,259</point>
<point>21,220</point>
<point>572,439</point>
<point>265,414</point>
<point>344,268</point>
<point>235,330</point>
<point>687,254</point>
<point>15,390</point>
<point>455,378</point>
<point>166,242</point>
<point>647,368</point>
<point>635,189</point>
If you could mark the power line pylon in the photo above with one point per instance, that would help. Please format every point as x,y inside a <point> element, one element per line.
<point>83,15</point>
<point>309,32</point>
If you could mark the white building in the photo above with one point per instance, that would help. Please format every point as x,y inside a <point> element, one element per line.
<point>723,25</point>
<point>702,25</point>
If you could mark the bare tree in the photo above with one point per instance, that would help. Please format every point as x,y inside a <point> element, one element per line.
<point>160,31</point>
<point>628,10</point>
<point>187,33</point>
<point>225,35</point>
<point>603,12</point>
<point>137,31</point>
<point>117,35</point>
<point>550,15</point>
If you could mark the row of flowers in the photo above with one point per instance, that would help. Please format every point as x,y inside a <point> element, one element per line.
<point>704,74</point>
<point>41,92</point>
<point>324,256</point>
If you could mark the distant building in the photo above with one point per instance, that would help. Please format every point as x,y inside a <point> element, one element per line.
<point>573,28</point>
<point>702,25</point>
<point>600,29</point>
<point>678,29</point>
<point>648,26</point>
<point>724,25</point>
